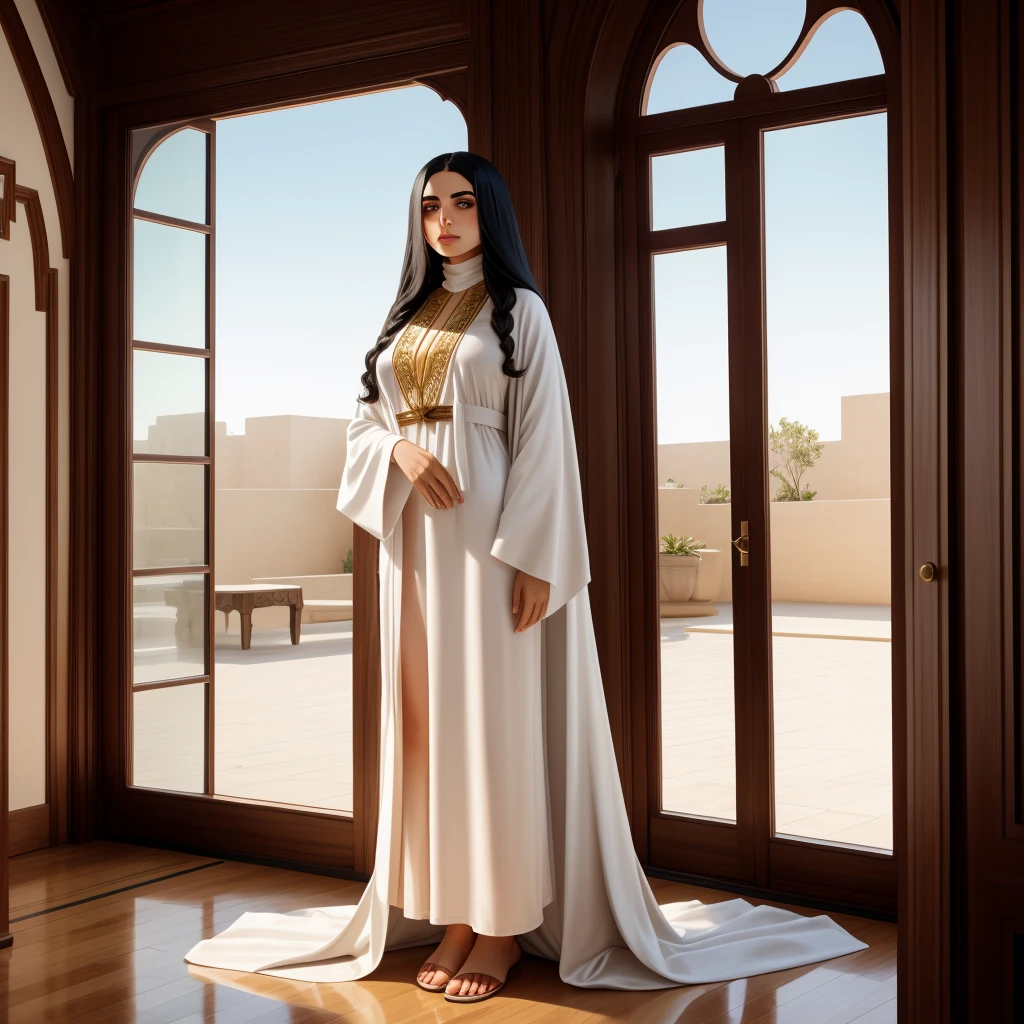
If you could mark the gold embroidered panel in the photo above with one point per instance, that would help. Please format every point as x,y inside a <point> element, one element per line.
<point>423,393</point>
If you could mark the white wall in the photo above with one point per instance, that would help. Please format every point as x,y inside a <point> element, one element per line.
<point>20,141</point>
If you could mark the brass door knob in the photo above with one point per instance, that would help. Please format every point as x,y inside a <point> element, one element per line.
<point>928,572</point>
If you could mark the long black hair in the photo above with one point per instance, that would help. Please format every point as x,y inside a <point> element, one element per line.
<point>505,265</point>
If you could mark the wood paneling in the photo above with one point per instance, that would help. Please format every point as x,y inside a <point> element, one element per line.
<point>168,49</point>
<point>985,303</point>
<point>29,829</point>
<point>923,831</point>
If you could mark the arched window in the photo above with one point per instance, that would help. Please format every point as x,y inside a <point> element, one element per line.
<point>762,174</point>
<point>259,282</point>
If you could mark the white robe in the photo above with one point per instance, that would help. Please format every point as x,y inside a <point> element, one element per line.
<point>581,896</point>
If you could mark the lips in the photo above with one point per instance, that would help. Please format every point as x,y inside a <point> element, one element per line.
<point>447,238</point>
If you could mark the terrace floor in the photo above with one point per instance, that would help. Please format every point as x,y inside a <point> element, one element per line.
<point>283,721</point>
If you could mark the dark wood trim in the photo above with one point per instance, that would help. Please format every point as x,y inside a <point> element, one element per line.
<point>172,222</point>
<point>302,838</point>
<point>390,42</point>
<point>46,120</point>
<point>170,570</point>
<point>923,827</point>
<point>164,684</point>
<point>181,460</point>
<point>329,82</point>
<point>696,236</point>
<point>29,198</point>
<point>173,350</point>
<point>5,720</point>
<point>857,94</point>
<point>8,205</point>
<point>366,657</point>
<point>56,682</point>
<point>29,829</point>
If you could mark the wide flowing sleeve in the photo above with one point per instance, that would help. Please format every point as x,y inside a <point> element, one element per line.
<point>373,488</point>
<point>541,530</point>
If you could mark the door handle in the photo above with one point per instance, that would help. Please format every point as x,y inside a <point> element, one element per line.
<point>742,543</point>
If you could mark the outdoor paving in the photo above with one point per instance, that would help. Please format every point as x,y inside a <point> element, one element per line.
<point>833,720</point>
<point>284,721</point>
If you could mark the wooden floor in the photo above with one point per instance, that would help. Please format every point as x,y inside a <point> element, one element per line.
<point>85,952</point>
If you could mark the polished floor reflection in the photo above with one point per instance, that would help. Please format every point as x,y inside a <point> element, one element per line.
<point>116,957</point>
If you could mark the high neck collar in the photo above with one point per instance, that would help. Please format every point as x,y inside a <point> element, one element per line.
<point>459,276</point>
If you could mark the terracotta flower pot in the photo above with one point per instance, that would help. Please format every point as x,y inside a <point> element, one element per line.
<point>678,576</point>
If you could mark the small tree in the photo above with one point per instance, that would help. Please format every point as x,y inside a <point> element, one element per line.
<point>719,496</point>
<point>797,449</point>
<point>346,565</point>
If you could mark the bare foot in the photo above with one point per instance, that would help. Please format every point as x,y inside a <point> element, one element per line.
<point>492,955</point>
<point>453,949</point>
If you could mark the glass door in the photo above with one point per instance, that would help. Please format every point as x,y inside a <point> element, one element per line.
<point>763,241</point>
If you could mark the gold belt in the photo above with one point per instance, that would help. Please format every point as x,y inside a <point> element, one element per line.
<point>424,412</point>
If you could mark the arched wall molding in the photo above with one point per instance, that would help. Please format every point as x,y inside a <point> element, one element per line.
<point>30,827</point>
<point>46,120</point>
<point>29,198</point>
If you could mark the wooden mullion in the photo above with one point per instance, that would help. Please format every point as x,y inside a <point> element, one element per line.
<point>165,683</point>
<point>170,570</point>
<point>172,222</point>
<point>821,102</point>
<point>752,593</point>
<point>694,236</point>
<point>171,350</point>
<point>187,460</point>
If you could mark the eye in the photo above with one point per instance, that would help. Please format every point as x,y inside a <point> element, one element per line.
<point>465,204</point>
<point>429,207</point>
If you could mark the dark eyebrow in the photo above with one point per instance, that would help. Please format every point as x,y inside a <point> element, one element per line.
<point>454,195</point>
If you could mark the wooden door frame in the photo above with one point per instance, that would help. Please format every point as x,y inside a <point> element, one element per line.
<point>303,838</point>
<point>737,855</point>
<point>6,938</point>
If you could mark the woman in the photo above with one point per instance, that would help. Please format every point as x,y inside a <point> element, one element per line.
<point>502,825</point>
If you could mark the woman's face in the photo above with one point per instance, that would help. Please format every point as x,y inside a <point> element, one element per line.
<point>450,223</point>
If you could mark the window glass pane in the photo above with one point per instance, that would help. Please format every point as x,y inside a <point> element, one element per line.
<point>752,36</point>
<point>168,625</point>
<point>842,48</point>
<point>827,245</point>
<point>289,358</point>
<point>169,403</point>
<point>169,738</point>
<point>169,285</point>
<point>697,716</point>
<point>688,188</point>
<point>169,515</point>
<point>173,179</point>
<point>683,78</point>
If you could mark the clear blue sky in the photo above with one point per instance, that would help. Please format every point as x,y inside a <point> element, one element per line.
<point>312,206</point>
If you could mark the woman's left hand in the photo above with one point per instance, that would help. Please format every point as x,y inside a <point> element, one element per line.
<point>529,599</point>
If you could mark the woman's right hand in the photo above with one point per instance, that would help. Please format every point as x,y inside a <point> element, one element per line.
<point>427,474</point>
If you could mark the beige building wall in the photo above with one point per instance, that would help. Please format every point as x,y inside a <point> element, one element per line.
<point>822,551</point>
<point>27,643</point>
<point>854,466</point>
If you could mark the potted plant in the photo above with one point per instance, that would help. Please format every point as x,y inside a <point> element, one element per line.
<point>678,564</point>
